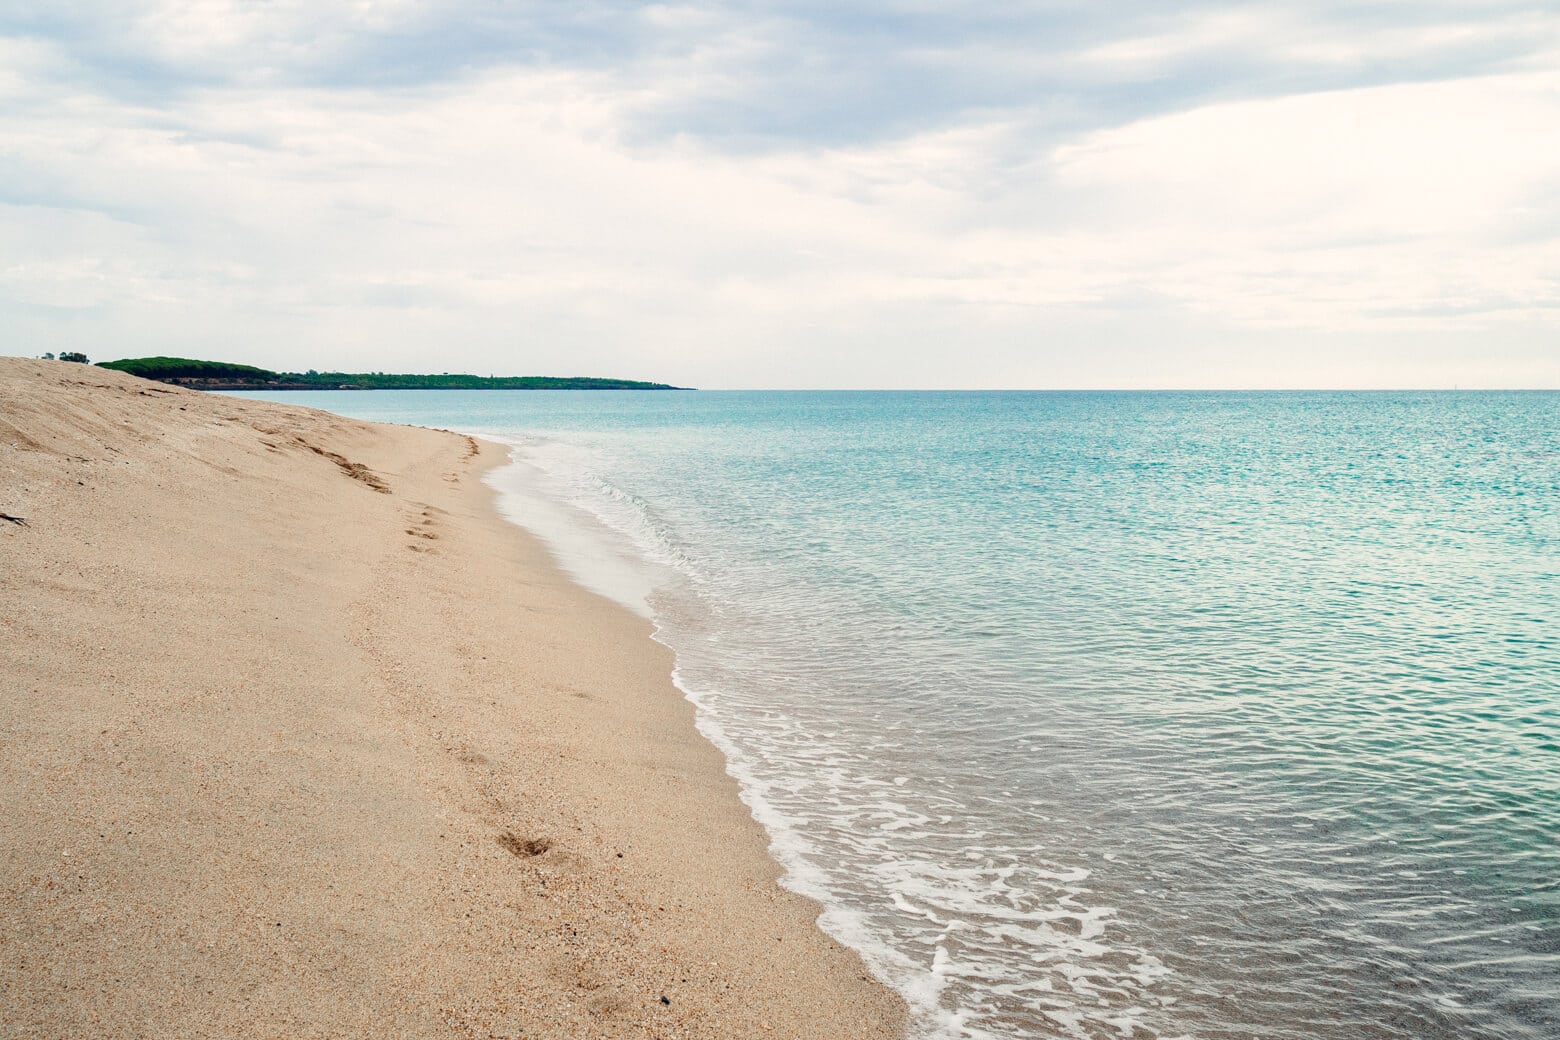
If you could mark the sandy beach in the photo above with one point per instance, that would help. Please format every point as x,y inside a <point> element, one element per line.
<point>299,738</point>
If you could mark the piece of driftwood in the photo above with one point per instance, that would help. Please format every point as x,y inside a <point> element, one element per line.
<point>19,520</point>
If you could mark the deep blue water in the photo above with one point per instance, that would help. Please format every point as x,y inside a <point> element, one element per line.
<point>1108,714</point>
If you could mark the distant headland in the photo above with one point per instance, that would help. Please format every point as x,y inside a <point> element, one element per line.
<point>222,375</point>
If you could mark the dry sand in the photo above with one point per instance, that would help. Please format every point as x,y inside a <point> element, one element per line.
<point>299,739</point>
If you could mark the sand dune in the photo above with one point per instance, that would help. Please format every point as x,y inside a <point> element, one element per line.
<point>298,738</point>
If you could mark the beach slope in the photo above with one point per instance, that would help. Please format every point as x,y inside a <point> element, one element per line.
<point>299,739</point>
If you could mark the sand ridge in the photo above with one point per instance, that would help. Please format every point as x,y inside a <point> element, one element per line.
<point>298,738</point>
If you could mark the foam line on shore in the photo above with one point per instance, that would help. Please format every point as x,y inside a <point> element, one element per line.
<point>611,561</point>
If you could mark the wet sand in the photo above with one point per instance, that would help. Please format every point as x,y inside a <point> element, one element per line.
<point>298,738</point>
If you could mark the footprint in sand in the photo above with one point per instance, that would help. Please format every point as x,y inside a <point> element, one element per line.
<point>422,524</point>
<point>524,847</point>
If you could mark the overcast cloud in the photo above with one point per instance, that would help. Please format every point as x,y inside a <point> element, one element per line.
<point>768,194</point>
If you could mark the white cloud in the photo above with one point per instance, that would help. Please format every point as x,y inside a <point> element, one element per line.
<point>1305,37</point>
<point>522,218</point>
<point>1333,209</point>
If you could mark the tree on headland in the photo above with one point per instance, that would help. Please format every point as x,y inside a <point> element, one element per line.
<point>49,356</point>
<point>74,355</point>
<point>174,368</point>
<point>228,376</point>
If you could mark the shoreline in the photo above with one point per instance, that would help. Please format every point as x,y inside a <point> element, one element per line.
<point>280,768</point>
<point>606,561</point>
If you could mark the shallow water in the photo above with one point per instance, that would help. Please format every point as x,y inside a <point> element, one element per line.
<point>1090,714</point>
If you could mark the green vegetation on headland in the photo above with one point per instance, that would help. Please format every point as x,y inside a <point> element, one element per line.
<point>220,375</point>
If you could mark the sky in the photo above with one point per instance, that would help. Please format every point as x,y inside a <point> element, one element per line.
<point>799,194</point>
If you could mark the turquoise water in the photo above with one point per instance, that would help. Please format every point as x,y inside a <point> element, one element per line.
<point>1100,715</point>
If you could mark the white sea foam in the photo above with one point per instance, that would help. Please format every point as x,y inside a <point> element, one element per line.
<point>539,492</point>
<point>607,540</point>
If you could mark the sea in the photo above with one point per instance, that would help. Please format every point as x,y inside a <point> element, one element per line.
<point>1141,715</point>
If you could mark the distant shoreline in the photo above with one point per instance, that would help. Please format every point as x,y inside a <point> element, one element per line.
<point>195,374</point>
<point>496,384</point>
